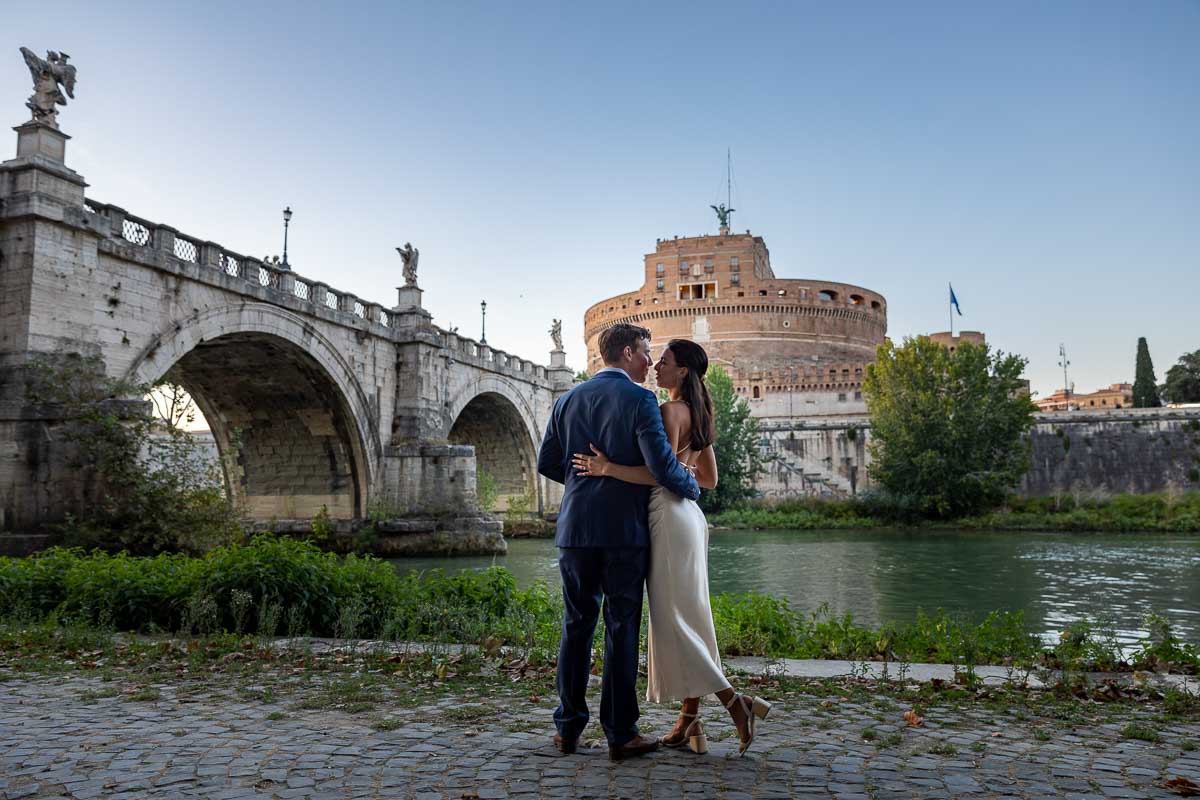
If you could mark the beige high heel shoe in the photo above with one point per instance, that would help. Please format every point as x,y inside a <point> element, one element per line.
<point>693,736</point>
<point>755,708</point>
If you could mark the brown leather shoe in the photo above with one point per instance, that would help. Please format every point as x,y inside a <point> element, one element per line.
<point>637,746</point>
<point>565,746</point>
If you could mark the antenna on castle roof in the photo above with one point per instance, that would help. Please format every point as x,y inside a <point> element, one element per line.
<point>728,178</point>
<point>725,210</point>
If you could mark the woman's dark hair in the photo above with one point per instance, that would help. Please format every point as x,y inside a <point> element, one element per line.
<point>691,355</point>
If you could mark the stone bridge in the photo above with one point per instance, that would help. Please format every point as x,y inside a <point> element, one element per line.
<point>316,398</point>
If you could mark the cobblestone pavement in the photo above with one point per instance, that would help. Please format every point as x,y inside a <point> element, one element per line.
<point>78,737</point>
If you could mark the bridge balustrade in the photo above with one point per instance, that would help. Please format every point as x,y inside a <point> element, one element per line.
<point>187,249</point>
<point>259,275</point>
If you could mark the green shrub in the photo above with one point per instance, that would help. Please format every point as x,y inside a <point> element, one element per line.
<point>486,490</point>
<point>277,569</point>
<point>132,593</point>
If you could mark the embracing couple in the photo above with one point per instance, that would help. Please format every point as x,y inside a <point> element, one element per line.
<point>632,473</point>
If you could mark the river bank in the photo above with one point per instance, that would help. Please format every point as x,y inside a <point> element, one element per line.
<point>1160,513</point>
<point>278,586</point>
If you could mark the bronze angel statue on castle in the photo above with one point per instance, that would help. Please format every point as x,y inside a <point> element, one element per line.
<point>47,75</point>
<point>723,214</point>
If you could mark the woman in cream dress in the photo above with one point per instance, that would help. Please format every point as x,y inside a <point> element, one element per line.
<point>681,649</point>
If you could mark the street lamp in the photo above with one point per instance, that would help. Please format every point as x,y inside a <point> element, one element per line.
<point>1064,363</point>
<point>483,318</point>
<point>287,217</point>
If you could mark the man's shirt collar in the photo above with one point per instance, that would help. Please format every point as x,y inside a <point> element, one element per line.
<point>616,369</point>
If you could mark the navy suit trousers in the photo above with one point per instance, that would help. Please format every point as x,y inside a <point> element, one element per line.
<point>617,576</point>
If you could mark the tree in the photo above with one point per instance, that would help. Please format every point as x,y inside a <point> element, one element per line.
<point>1183,380</point>
<point>947,428</point>
<point>582,375</point>
<point>739,460</point>
<point>173,405</point>
<point>1145,387</point>
<point>146,492</point>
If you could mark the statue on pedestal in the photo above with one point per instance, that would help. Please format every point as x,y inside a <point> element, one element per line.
<point>48,74</point>
<point>409,255</point>
<point>722,214</point>
<point>556,333</point>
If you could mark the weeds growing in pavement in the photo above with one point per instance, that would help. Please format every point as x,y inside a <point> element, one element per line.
<point>1136,730</point>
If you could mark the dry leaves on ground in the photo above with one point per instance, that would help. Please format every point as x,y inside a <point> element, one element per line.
<point>1182,787</point>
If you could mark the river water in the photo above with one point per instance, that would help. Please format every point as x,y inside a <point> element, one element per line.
<point>886,576</point>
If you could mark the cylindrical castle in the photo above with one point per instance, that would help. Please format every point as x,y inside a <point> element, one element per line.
<point>794,347</point>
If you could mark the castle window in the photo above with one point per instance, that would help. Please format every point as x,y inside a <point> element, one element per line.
<point>659,269</point>
<point>708,265</point>
<point>733,265</point>
<point>826,295</point>
<point>858,395</point>
<point>875,305</point>
<point>755,392</point>
<point>661,284</point>
<point>735,279</point>
<point>654,300</point>
<point>683,266</point>
<point>637,302</point>
<point>697,291</point>
<point>856,299</point>
<point>762,292</point>
<point>783,292</point>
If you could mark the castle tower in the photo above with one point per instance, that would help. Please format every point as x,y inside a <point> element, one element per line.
<point>794,347</point>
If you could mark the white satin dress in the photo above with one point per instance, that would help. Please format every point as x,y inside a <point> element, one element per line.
<point>681,643</point>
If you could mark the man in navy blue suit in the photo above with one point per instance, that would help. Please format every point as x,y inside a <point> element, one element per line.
<point>603,534</point>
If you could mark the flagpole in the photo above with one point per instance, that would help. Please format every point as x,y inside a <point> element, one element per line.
<point>950,307</point>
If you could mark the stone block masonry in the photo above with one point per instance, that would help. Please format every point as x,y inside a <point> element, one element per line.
<point>1133,450</point>
<point>1128,450</point>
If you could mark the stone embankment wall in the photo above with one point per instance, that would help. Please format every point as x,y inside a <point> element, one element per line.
<point>1131,450</point>
<point>1134,450</point>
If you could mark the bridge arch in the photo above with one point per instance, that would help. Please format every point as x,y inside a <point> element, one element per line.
<point>293,425</point>
<point>492,415</point>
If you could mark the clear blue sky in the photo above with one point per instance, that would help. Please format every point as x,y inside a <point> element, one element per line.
<point>1045,157</point>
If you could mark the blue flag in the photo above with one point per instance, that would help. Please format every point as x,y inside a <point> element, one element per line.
<point>954,300</point>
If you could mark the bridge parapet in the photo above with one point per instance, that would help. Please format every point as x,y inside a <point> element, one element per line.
<point>469,351</point>
<point>139,236</point>
<point>162,246</point>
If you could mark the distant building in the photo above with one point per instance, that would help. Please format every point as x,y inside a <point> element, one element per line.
<point>1117,395</point>
<point>946,339</point>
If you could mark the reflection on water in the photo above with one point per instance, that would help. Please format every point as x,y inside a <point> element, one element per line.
<point>885,576</point>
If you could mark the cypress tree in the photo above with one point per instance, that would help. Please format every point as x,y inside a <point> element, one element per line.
<point>1145,387</point>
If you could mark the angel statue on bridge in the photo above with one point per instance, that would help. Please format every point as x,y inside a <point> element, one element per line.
<point>556,333</point>
<point>410,255</point>
<point>47,75</point>
<point>723,214</point>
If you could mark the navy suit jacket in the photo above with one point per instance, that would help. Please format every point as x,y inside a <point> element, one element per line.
<point>623,420</point>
